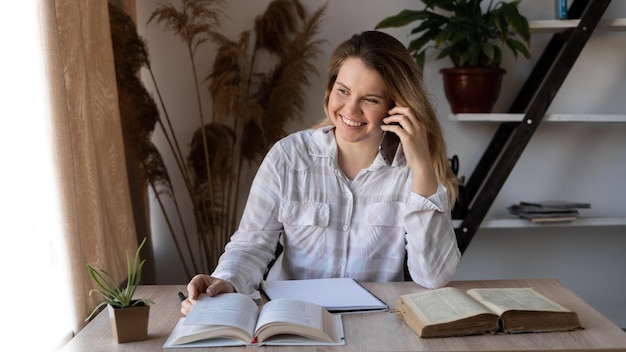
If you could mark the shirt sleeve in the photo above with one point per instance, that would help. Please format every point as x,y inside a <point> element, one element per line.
<point>253,245</point>
<point>432,250</point>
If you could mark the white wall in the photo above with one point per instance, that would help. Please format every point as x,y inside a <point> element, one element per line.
<point>578,161</point>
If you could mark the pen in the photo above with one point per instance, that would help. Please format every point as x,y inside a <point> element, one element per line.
<point>181,296</point>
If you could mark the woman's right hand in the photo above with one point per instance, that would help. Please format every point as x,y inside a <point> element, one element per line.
<point>203,283</point>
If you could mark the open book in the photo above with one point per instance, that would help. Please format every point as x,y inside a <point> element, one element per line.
<point>449,311</point>
<point>232,319</point>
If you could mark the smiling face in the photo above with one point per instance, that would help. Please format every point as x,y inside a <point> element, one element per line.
<point>357,103</point>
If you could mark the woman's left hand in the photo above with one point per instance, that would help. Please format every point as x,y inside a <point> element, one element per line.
<point>414,141</point>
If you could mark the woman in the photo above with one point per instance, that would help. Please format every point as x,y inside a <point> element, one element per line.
<point>329,198</point>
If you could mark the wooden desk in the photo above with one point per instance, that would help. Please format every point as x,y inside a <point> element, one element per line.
<point>382,331</point>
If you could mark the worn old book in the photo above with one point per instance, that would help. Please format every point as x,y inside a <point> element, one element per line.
<point>449,311</point>
<point>233,319</point>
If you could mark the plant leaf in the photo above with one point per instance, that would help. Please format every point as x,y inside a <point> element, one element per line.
<point>403,18</point>
<point>457,25</point>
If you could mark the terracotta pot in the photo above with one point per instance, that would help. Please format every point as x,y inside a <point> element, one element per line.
<point>472,89</point>
<point>129,324</point>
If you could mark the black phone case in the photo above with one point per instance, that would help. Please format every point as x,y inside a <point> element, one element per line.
<point>389,146</point>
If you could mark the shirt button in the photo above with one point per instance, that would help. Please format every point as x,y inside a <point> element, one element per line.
<point>345,227</point>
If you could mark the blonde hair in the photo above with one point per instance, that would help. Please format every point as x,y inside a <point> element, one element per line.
<point>403,79</point>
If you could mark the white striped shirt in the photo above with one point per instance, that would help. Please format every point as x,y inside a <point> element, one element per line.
<point>333,227</point>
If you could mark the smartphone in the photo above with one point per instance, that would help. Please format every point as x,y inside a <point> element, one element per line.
<point>389,145</point>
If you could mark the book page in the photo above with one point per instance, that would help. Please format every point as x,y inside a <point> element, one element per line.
<point>503,299</point>
<point>309,323</point>
<point>443,305</point>
<point>201,336</point>
<point>290,311</point>
<point>227,309</point>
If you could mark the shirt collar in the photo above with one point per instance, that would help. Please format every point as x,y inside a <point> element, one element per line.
<point>324,145</point>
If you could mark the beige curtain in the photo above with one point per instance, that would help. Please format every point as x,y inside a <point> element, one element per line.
<point>97,211</point>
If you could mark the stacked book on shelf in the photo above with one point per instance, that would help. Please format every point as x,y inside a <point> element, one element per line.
<point>548,211</point>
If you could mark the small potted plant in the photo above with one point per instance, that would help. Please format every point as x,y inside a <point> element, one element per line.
<point>472,36</point>
<point>128,316</point>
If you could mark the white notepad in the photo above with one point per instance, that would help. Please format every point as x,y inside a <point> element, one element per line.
<point>338,295</point>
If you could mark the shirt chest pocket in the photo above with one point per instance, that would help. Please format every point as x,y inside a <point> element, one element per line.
<point>387,235</point>
<point>304,227</point>
<point>303,214</point>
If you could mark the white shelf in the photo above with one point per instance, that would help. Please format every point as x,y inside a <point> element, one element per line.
<point>513,222</point>
<point>553,26</point>
<point>549,118</point>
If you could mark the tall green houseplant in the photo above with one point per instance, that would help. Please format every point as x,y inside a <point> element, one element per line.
<point>471,33</point>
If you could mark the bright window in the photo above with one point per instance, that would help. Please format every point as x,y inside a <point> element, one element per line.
<point>37,306</point>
